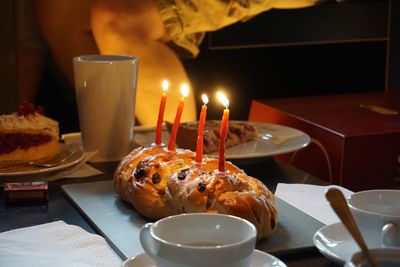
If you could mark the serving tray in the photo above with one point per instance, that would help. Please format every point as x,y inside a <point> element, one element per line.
<point>119,223</point>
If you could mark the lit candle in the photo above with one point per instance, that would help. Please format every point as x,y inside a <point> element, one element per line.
<point>223,131</point>
<point>178,115</point>
<point>165,86</point>
<point>200,130</point>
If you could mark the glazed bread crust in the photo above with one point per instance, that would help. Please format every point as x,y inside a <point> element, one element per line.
<point>159,183</point>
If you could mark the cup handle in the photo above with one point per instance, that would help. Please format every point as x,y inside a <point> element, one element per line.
<point>145,240</point>
<point>389,232</point>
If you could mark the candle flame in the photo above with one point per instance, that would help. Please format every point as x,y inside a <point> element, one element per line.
<point>204,97</point>
<point>184,90</point>
<point>165,85</point>
<point>223,99</point>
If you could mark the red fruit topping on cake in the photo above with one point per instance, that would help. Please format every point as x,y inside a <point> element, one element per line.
<point>27,108</point>
<point>28,135</point>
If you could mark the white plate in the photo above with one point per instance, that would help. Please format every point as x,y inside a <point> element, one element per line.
<point>259,259</point>
<point>74,159</point>
<point>272,140</point>
<point>335,242</point>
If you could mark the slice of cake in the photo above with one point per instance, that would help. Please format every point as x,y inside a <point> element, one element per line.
<point>238,133</point>
<point>28,135</point>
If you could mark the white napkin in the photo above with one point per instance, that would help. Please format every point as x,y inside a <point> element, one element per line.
<point>83,169</point>
<point>310,199</point>
<point>55,244</point>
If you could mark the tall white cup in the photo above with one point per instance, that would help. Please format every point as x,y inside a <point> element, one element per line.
<point>105,92</point>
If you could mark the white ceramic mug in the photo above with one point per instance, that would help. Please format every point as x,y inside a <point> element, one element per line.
<point>199,239</point>
<point>384,257</point>
<point>105,92</point>
<point>377,213</point>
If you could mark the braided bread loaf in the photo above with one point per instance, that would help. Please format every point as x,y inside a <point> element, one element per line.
<point>159,183</point>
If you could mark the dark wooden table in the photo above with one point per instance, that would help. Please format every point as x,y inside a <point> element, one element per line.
<point>268,170</point>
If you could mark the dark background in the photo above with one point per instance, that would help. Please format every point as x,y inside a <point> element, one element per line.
<point>331,48</point>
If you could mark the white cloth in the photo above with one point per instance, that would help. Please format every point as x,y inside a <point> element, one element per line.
<point>55,244</point>
<point>310,199</point>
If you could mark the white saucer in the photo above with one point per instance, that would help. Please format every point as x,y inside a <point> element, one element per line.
<point>259,259</point>
<point>335,242</point>
<point>272,140</point>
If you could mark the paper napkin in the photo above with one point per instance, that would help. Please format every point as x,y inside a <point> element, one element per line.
<point>82,169</point>
<point>55,244</point>
<point>310,199</point>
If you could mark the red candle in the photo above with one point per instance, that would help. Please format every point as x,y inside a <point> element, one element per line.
<point>200,130</point>
<point>223,132</point>
<point>178,115</point>
<point>165,86</point>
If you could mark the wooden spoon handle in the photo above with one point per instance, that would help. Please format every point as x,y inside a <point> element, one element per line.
<point>339,205</point>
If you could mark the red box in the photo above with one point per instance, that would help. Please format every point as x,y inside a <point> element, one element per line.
<point>355,137</point>
<point>26,192</point>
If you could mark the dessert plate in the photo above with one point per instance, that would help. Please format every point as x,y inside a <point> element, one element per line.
<point>272,140</point>
<point>259,259</point>
<point>335,242</point>
<point>72,155</point>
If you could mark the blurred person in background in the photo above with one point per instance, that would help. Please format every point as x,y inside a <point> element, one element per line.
<point>159,32</point>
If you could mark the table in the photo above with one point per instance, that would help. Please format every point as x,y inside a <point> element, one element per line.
<point>268,170</point>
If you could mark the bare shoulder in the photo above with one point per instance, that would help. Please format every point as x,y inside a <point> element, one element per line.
<point>64,11</point>
<point>139,17</point>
